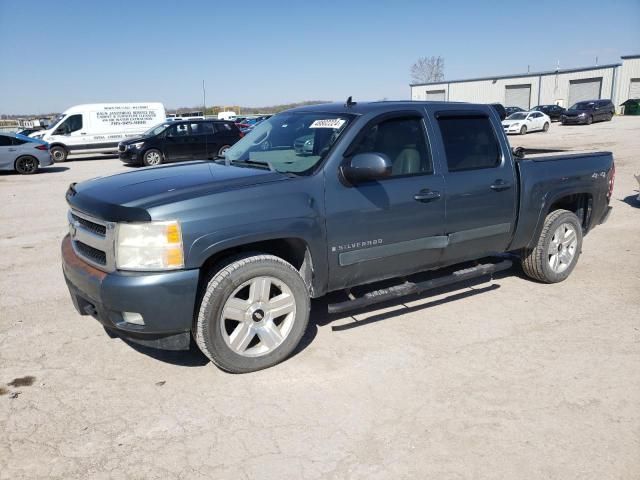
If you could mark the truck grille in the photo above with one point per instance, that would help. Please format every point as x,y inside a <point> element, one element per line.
<point>87,251</point>
<point>91,226</point>
<point>92,240</point>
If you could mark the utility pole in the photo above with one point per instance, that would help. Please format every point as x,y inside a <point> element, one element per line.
<point>204,99</point>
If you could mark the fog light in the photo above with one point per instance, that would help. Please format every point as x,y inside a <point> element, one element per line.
<point>133,317</point>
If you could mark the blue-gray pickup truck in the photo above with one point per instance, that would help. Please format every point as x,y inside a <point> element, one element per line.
<point>317,199</point>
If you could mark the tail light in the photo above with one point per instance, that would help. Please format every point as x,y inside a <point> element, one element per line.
<point>43,147</point>
<point>241,133</point>
<point>612,180</point>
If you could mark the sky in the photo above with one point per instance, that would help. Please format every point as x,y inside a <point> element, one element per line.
<point>265,52</point>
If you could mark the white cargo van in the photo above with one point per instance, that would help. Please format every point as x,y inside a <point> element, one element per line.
<point>98,127</point>
<point>228,115</point>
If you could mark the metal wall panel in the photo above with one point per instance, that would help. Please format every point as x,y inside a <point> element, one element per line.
<point>518,96</point>
<point>634,89</point>
<point>585,89</point>
<point>548,88</point>
<point>437,95</point>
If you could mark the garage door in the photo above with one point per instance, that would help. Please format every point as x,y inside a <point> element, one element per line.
<point>436,95</point>
<point>518,96</point>
<point>587,89</point>
<point>634,88</point>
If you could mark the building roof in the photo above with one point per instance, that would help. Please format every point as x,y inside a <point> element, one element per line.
<point>629,57</point>
<point>521,75</point>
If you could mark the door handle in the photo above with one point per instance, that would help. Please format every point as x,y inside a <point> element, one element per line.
<point>500,185</point>
<point>83,133</point>
<point>12,149</point>
<point>426,196</point>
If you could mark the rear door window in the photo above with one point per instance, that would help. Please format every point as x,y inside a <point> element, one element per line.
<point>469,142</point>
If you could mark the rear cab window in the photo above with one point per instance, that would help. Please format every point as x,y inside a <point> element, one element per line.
<point>469,140</point>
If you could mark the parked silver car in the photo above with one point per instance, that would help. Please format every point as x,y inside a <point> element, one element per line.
<point>23,154</point>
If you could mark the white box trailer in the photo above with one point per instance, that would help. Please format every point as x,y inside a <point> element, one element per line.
<point>99,127</point>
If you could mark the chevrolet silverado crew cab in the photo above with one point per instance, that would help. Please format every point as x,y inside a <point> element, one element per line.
<point>230,251</point>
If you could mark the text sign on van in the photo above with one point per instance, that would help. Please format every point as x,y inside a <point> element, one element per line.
<point>120,115</point>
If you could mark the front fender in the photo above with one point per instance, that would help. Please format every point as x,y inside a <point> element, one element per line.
<point>307,229</point>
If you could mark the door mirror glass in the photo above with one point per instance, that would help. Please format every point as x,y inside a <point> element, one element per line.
<point>365,167</point>
<point>518,152</point>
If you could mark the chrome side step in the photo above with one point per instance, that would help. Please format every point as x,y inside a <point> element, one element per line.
<point>411,288</point>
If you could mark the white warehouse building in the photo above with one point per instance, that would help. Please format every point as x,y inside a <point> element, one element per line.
<point>618,82</point>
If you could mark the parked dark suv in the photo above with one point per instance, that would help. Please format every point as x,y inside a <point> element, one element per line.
<point>178,141</point>
<point>589,111</point>
<point>554,112</point>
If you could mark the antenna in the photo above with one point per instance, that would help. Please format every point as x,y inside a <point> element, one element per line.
<point>350,103</point>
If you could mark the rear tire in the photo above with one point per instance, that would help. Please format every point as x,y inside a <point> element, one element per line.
<point>253,313</point>
<point>59,154</point>
<point>556,254</point>
<point>546,127</point>
<point>609,118</point>
<point>26,165</point>
<point>223,149</point>
<point>152,157</point>
<point>523,130</point>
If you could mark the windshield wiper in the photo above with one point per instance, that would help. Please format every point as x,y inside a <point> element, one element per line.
<point>253,163</point>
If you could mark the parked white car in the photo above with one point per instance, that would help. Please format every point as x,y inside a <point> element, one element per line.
<point>23,154</point>
<point>525,122</point>
<point>99,127</point>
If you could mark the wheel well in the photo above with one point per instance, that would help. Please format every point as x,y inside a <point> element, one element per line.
<point>293,250</point>
<point>579,203</point>
<point>61,145</point>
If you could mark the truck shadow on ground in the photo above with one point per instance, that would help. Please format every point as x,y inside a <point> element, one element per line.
<point>632,200</point>
<point>320,317</point>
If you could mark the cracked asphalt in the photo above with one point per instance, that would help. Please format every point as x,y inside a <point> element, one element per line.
<point>504,380</point>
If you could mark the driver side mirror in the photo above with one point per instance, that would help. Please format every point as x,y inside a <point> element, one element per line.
<point>518,152</point>
<point>366,167</point>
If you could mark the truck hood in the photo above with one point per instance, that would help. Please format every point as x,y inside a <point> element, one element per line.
<point>127,196</point>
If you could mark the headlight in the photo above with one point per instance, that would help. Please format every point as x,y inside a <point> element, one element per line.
<point>133,146</point>
<point>514,125</point>
<point>149,246</point>
<point>583,115</point>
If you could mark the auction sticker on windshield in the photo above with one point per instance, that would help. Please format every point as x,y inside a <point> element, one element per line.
<point>328,123</point>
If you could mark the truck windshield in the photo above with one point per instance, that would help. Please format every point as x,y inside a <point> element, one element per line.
<point>290,142</point>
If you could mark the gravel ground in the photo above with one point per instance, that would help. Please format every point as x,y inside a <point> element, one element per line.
<point>510,379</point>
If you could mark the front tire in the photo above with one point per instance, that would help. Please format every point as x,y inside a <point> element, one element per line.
<point>253,313</point>
<point>545,128</point>
<point>152,157</point>
<point>59,154</point>
<point>26,165</point>
<point>589,120</point>
<point>556,254</point>
<point>523,130</point>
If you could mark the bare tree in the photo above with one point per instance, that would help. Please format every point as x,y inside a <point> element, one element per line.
<point>428,69</point>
